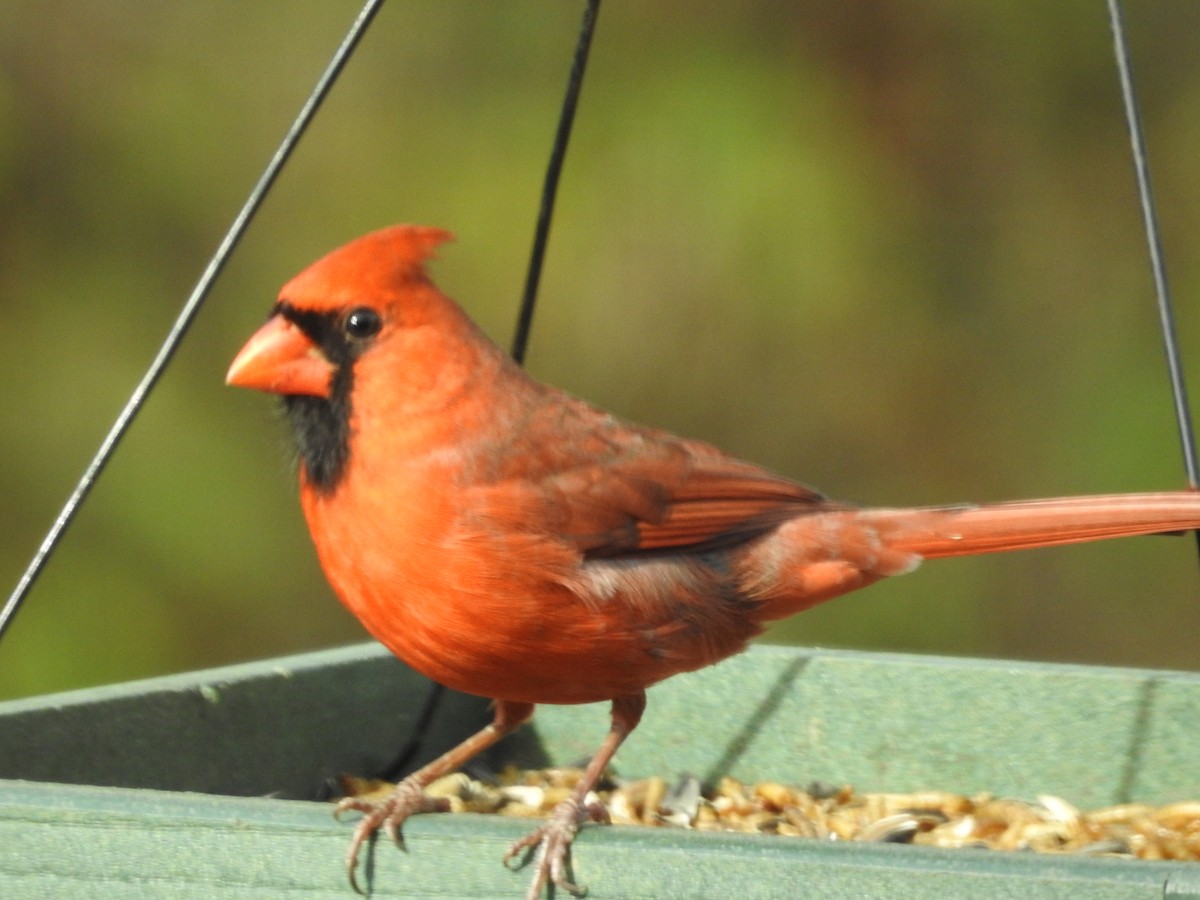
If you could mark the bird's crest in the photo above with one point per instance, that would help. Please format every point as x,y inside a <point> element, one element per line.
<point>375,265</point>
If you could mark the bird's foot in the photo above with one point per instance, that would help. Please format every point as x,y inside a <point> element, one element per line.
<point>551,844</point>
<point>407,799</point>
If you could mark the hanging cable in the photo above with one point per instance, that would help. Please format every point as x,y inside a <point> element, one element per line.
<point>186,315</point>
<point>1158,267</point>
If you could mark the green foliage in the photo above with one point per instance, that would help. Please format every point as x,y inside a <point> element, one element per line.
<point>891,250</point>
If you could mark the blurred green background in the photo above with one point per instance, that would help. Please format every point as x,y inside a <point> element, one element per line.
<point>889,249</point>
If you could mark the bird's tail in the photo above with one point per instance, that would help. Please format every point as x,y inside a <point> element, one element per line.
<point>1025,524</point>
<point>814,558</point>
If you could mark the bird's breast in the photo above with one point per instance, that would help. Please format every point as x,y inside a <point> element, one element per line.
<point>509,610</point>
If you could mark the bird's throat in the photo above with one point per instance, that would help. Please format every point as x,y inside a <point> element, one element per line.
<point>321,430</point>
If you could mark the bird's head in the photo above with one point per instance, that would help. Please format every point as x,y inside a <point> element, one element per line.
<point>335,310</point>
<point>332,318</point>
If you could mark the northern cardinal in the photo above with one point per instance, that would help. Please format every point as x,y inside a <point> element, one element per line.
<point>511,541</point>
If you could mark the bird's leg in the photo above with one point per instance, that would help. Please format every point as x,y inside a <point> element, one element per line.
<point>409,798</point>
<point>552,840</point>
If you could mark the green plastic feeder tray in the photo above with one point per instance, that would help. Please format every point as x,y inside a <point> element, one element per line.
<point>203,785</point>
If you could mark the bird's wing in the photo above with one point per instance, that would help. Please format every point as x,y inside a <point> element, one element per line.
<point>612,489</point>
<point>663,504</point>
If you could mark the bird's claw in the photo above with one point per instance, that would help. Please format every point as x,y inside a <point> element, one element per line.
<point>407,799</point>
<point>551,842</point>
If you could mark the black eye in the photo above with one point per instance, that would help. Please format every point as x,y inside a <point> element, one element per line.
<point>362,323</point>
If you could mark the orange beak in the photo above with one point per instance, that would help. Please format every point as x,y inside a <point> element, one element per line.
<point>281,359</point>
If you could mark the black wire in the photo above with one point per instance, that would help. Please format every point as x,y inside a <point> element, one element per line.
<point>187,314</point>
<point>558,153</point>
<point>400,764</point>
<point>541,235</point>
<point>1158,267</point>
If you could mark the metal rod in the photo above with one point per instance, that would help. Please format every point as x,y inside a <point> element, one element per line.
<point>187,314</point>
<point>558,153</point>
<point>541,235</point>
<point>1154,240</point>
<point>1166,313</point>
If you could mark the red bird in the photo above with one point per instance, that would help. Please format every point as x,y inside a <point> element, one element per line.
<point>511,541</point>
